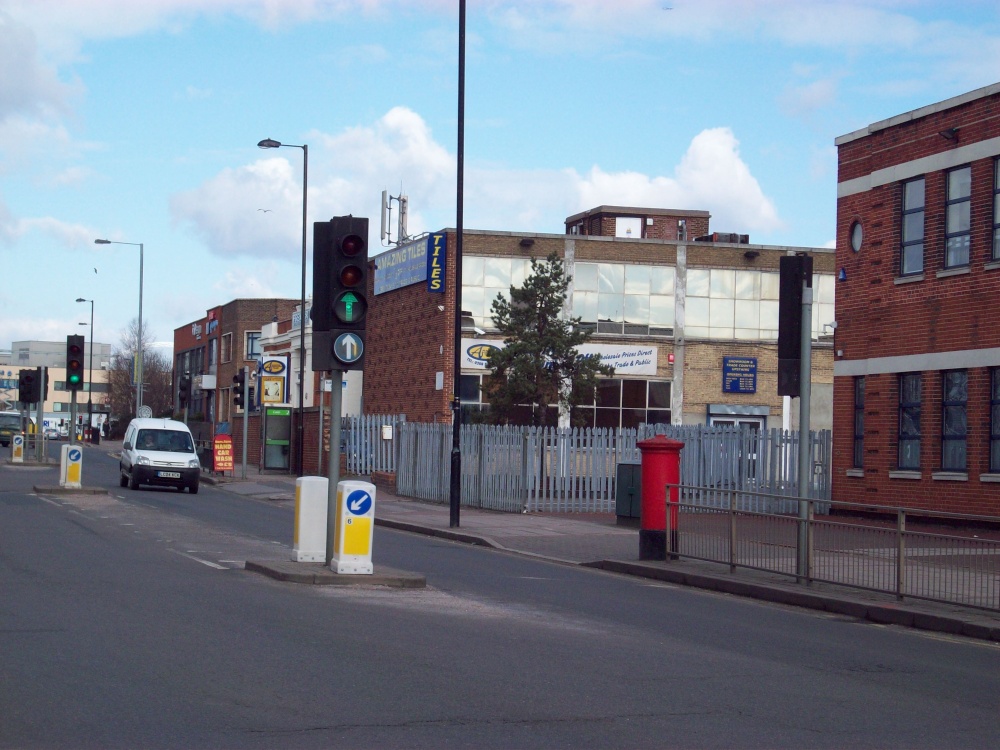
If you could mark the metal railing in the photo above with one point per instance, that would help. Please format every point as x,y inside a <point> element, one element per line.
<point>545,469</point>
<point>904,556</point>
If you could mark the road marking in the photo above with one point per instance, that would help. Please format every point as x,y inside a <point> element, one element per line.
<point>199,560</point>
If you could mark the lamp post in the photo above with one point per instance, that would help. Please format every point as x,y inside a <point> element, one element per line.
<point>300,443</point>
<point>90,387</point>
<point>138,344</point>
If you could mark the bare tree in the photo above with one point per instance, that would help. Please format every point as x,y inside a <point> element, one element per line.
<point>156,372</point>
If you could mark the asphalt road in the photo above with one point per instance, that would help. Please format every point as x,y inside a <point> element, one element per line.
<point>127,621</point>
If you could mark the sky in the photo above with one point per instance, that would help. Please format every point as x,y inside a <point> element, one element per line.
<point>138,122</point>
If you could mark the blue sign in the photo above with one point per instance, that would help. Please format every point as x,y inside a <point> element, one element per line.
<point>437,254</point>
<point>74,454</point>
<point>348,348</point>
<point>739,374</point>
<point>405,265</point>
<point>359,502</point>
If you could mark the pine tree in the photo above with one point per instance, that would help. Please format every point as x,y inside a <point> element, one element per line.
<point>540,364</point>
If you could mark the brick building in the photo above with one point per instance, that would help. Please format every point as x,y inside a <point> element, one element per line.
<point>676,318</point>
<point>917,367</point>
<point>216,346</point>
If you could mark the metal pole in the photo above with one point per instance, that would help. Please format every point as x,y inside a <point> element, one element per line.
<point>90,388</point>
<point>138,346</point>
<point>319,430</point>
<point>72,417</point>
<point>455,493</point>
<point>40,415</point>
<point>302,322</point>
<point>246,416</point>
<point>805,446</point>
<point>337,378</point>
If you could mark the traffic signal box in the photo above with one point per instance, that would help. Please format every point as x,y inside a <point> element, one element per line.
<point>795,269</point>
<point>74,363</point>
<point>340,293</point>
<point>184,389</point>
<point>29,386</point>
<point>239,383</point>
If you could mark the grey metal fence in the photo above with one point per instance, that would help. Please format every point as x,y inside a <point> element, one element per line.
<point>900,557</point>
<point>368,445</point>
<point>552,470</point>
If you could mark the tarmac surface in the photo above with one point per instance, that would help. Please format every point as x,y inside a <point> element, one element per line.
<point>595,540</point>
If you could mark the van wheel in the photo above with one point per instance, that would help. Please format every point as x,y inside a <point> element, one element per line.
<point>133,483</point>
<point>193,488</point>
<point>122,479</point>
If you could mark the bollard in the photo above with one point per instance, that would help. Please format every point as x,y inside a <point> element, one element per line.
<point>309,535</point>
<point>661,465</point>
<point>70,467</point>
<point>353,528</point>
<point>17,449</point>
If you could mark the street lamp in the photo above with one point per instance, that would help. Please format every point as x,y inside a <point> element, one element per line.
<point>138,346</point>
<point>90,388</point>
<point>271,143</point>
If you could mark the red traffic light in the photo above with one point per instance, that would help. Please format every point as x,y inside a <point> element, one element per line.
<point>351,276</point>
<point>351,245</point>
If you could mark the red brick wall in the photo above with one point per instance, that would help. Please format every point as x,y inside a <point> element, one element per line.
<point>878,317</point>
<point>408,340</point>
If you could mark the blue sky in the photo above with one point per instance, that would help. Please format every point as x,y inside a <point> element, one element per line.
<point>138,122</point>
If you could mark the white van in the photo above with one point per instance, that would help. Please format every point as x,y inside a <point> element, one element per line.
<point>160,452</point>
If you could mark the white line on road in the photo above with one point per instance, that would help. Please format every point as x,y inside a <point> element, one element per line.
<point>199,560</point>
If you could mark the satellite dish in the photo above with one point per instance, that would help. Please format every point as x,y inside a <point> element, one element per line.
<point>144,412</point>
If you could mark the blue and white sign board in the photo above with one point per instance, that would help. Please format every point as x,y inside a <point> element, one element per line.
<point>71,467</point>
<point>405,265</point>
<point>739,374</point>
<point>354,526</point>
<point>348,348</point>
<point>17,449</point>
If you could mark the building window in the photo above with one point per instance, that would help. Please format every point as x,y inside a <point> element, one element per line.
<point>859,422</point>
<point>213,345</point>
<point>910,386</point>
<point>226,355</point>
<point>995,420</point>
<point>913,228</point>
<point>625,403</point>
<point>958,223</point>
<point>954,421</point>
<point>996,209</point>
<point>253,345</point>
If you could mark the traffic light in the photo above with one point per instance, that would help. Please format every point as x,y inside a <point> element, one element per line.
<point>795,269</point>
<point>74,363</point>
<point>340,293</point>
<point>184,389</point>
<point>29,386</point>
<point>239,383</point>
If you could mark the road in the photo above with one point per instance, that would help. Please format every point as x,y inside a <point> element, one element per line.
<point>127,621</point>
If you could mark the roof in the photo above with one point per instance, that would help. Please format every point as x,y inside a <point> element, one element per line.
<point>637,211</point>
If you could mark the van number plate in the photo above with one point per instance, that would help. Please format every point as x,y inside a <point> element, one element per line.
<point>168,474</point>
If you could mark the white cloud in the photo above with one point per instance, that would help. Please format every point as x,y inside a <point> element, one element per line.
<point>711,176</point>
<point>354,166</point>
<point>240,283</point>
<point>67,234</point>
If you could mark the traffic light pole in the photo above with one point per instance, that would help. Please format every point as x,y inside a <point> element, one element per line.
<point>72,417</point>
<point>40,418</point>
<point>805,445</point>
<point>246,418</point>
<point>336,398</point>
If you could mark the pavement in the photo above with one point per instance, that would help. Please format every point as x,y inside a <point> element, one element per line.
<point>596,541</point>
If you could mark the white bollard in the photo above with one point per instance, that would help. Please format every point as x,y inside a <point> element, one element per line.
<point>354,528</point>
<point>71,466</point>
<point>17,449</point>
<point>309,536</point>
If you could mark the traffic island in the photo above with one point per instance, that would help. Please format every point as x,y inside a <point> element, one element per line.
<point>57,490</point>
<point>318,574</point>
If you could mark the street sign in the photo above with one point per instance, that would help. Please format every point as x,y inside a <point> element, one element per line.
<point>354,523</point>
<point>359,502</point>
<point>70,466</point>
<point>348,348</point>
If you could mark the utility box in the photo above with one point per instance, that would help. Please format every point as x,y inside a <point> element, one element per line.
<point>277,437</point>
<point>628,494</point>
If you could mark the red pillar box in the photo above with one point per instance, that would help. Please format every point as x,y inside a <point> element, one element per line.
<point>661,465</point>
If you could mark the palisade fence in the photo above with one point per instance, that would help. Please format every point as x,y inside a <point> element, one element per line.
<point>545,469</point>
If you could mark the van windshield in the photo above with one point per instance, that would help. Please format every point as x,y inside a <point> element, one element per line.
<point>10,421</point>
<point>173,441</point>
